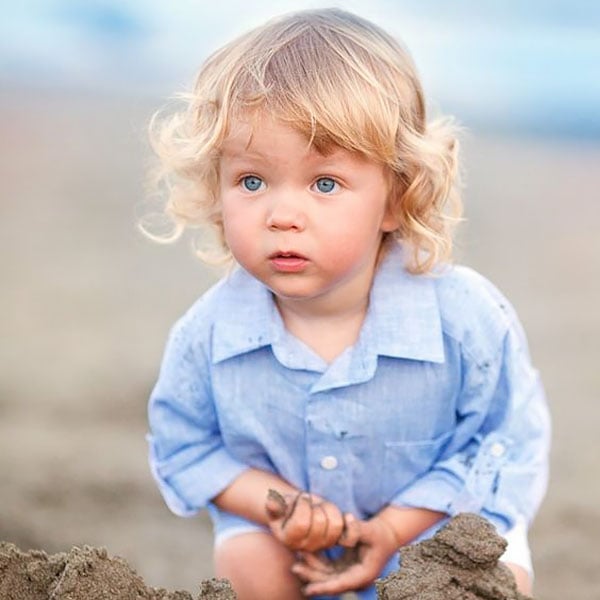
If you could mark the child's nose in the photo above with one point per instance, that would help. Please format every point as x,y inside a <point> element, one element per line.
<point>286,213</point>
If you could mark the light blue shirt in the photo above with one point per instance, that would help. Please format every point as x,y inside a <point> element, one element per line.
<point>435,406</point>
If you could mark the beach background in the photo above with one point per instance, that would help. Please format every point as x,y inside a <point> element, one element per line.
<point>86,301</point>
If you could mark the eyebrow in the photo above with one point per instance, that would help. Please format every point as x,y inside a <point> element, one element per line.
<point>247,152</point>
<point>244,157</point>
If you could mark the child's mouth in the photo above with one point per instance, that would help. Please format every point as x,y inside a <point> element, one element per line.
<point>288,262</point>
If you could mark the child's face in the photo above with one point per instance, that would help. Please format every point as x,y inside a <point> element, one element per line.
<point>308,226</point>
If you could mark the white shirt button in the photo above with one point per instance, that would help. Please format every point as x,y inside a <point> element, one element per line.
<point>497,449</point>
<point>329,462</point>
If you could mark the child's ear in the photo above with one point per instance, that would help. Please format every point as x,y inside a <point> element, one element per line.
<point>391,221</point>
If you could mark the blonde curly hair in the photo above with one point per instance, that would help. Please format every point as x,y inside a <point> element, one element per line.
<point>339,80</point>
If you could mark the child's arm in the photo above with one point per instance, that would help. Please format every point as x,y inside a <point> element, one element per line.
<point>245,496</point>
<point>299,520</point>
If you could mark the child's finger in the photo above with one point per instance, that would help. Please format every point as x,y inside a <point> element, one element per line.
<point>326,528</point>
<point>316,562</point>
<point>297,525</point>
<point>350,535</point>
<point>276,504</point>
<point>316,537</point>
<point>352,578</point>
<point>312,569</point>
<point>335,524</point>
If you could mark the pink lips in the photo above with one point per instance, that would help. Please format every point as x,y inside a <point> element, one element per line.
<point>288,262</point>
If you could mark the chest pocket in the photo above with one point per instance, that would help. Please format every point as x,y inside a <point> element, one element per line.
<point>405,462</point>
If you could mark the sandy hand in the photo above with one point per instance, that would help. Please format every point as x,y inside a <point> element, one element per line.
<point>375,546</point>
<point>304,521</point>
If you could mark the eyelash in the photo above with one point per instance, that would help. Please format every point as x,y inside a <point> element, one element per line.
<point>243,180</point>
<point>334,188</point>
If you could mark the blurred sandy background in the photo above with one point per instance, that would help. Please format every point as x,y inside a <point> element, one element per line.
<point>86,303</point>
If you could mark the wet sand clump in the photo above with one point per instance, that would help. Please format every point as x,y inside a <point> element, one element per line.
<point>460,562</point>
<point>85,574</point>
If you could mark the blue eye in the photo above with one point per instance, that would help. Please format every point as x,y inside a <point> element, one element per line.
<point>252,183</point>
<point>326,185</point>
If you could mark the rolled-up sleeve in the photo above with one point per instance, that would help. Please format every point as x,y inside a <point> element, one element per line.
<point>187,457</point>
<point>496,463</point>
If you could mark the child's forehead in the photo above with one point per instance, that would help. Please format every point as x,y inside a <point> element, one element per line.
<point>257,135</point>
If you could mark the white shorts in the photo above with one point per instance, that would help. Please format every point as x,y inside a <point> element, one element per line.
<point>517,551</point>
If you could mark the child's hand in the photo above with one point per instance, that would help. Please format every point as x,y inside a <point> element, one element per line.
<point>307,522</point>
<point>376,544</point>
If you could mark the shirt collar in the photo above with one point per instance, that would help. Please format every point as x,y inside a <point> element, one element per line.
<point>244,316</point>
<point>403,320</point>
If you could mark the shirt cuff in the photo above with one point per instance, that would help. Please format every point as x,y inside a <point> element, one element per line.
<point>434,491</point>
<point>461,483</point>
<point>191,488</point>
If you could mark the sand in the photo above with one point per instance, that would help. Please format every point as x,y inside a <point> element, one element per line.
<point>86,303</point>
<point>459,563</point>
<point>85,574</point>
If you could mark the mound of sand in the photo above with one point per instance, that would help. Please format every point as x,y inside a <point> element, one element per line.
<point>85,574</point>
<point>460,562</point>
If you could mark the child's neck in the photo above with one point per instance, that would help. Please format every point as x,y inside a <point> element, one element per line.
<point>327,332</point>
